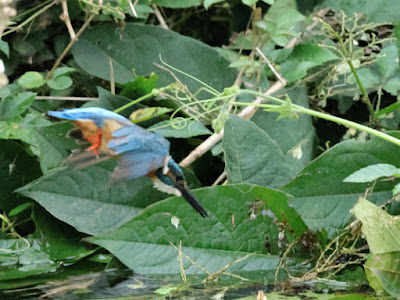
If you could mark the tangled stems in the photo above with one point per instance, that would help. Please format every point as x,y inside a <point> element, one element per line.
<point>300,109</point>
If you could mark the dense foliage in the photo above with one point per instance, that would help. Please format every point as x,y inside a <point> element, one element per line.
<point>291,111</point>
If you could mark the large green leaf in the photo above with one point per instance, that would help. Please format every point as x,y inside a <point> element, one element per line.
<point>17,168</point>
<point>144,243</point>
<point>304,57</point>
<point>381,229</point>
<point>59,240</point>
<point>52,144</point>
<point>15,104</point>
<point>322,199</point>
<point>134,50</point>
<point>84,199</point>
<point>373,172</point>
<point>377,11</point>
<point>295,138</point>
<point>180,128</point>
<point>270,154</point>
<point>384,72</point>
<point>23,261</point>
<point>383,273</point>
<point>49,143</point>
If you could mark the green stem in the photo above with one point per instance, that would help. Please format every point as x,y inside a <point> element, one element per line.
<point>153,93</point>
<point>317,114</point>
<point>362,89</point>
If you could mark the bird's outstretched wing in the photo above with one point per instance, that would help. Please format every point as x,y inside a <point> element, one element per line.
<point>96,114</point>
<point>139,152</point>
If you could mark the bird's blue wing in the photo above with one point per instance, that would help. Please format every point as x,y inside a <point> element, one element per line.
<point>139,152</point>
<point>133,165</point>
<point>97,114</point>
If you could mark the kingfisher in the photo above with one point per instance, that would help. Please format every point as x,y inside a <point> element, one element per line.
<point>139,152</point>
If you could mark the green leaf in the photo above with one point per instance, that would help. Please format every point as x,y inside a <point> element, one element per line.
<point>280,20</point>
<point>295,138</point>
<point>140,86</point>
<point>31,80</point>
<point>208,3</point>
<point>5,48</point>
<point>62,72</point>
<point>323,200</point>
<point>285,110</point>
<point>270,154</point>
<point>52,144</point>
<point>177,3</point>
<point>15,104</point>
<point>229,233</point>
<point>135,49</point>
<point>57,239</point>
<point>252,156</point>
<point>20,208</point>
<point>59,83</point>
<point>303,58</point>
<point>14,173</point>
<point>249,2</point>
<point>396,189</point>
<point>381,229</point>
<point>383,273</point>
<point>22,258</point>
<point>84,199</point>
<point>396,31</point>
<point>372,173</point>
<point>148,113</point>
<point>180,128</point>
<point>377,11</point>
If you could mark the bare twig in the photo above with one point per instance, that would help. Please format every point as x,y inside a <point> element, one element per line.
<point>18,27</point>
<point>112,81</point>
<point>180,258</point>
<point>132,6</point>
<point>65,17</point>
<point>280,78</point>
<point>59,98</point>
<point>283,257</point>
<point>190,260</point>
<point>220,178</point>
<point>246,113</point>
<point>159,17</point>
<point>57,63</point>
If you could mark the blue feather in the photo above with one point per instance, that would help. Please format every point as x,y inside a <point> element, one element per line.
<point>139,152</point>
<point>97,114</point>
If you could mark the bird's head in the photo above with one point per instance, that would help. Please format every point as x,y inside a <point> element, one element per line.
<point>173,177</point>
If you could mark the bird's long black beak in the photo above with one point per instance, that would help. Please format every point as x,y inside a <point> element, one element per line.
<point>189,197</point>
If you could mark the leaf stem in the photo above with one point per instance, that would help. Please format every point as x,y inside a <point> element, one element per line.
<point>365,97</point>
<point>321,115</point>
<point>149,95</point>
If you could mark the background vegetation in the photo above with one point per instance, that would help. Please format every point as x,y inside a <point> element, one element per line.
<point>283,113</point>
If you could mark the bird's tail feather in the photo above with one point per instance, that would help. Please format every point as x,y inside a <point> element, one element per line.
<point>190,198</point>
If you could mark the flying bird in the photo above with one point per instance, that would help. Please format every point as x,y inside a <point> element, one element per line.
<point>138,151</point>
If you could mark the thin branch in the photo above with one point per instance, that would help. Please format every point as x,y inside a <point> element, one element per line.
<point>65,17</point>
<point>159,17</point>
<point>57,63</point>
<point>18,27</point>
<point>132,6</point>
<point>59,98</point>
<point>280,78</point>
<point>220,178</point>
<point>246,113</point>
<point>112,81</point>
